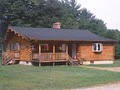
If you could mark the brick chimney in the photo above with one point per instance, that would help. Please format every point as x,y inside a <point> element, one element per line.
<point>57,25</point>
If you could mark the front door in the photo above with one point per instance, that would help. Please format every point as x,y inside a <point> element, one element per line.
<point>74,50</point>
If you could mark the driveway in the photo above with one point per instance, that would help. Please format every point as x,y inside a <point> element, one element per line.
<point>114,69</point>
<point>115,86</point>
<point>104,87</point>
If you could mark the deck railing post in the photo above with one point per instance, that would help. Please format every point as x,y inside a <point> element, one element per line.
<point>39,54</point>
<point>66,54</point>
<point>53,54</point>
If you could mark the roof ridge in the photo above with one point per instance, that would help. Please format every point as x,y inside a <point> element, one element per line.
<point>50,28</point>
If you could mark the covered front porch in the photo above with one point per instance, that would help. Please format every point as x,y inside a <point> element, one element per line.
<point>53,52</point>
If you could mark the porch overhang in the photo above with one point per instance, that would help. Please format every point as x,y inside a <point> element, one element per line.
<point>76,41</point>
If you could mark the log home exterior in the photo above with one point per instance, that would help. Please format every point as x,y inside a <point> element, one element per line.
<point>52,45</point>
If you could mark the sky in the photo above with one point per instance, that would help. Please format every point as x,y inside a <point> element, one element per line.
<point>107,10</point>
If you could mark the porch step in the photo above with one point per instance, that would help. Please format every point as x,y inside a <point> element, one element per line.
<point>74,62</point>
<point>7,58</point>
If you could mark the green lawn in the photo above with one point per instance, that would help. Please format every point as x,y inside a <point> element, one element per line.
<point>17,77</point>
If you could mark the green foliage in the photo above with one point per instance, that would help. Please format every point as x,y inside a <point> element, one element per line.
<point>39,13</point>
<point>3,28</point>
<point>117,50</point>
<point>88,21</point>
<point>114,34</point>
<point>42,13</point>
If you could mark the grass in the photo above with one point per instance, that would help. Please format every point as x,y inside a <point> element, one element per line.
<point>115,64</point>
<point>17,77</point>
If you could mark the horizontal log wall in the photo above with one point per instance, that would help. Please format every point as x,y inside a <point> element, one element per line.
<point>25,53</point>
<point>85,51</point>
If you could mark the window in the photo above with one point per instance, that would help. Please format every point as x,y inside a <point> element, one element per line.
<point>63,47</point>
<point>46,48</point>
<point>97,47</point>
<point>60,47</point>
<point>8,46</point>
<point>17,46</point>
<point>11,47</point>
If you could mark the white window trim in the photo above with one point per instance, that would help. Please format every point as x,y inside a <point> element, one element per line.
<point>101,47</point>
<point>17,46</point>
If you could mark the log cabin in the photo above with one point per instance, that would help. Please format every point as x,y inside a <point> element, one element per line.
<point>30,46</point>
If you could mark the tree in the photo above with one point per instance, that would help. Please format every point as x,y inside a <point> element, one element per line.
<point>114,34</point>
<point>3,23</point>
<point>42,13</point>
<point>88,21</point>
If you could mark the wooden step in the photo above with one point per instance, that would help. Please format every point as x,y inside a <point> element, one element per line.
<point>7,58</point>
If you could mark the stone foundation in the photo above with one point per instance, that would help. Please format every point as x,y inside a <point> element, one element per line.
<point>25,63</point>
<point>97,62</point>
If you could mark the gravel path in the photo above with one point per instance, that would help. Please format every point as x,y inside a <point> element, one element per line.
<point>115,86</point>
<point>104,87</point>
<point>114,69</point>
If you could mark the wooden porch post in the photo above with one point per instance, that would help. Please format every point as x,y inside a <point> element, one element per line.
<point>39,55</point>
<point>53,54</point>
<point>66,54</point>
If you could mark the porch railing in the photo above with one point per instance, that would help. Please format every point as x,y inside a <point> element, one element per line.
<point>49,56</point>
<point>46,57</point>
<point>35,56</point>
<point>60,56</point>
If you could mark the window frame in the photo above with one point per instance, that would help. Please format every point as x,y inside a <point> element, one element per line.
<point>61,47</point>
<point>17,46</point>
<point>97,47</point>
<point>46,48</point>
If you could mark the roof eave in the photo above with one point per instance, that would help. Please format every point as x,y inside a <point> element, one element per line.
<point>112,41</point>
